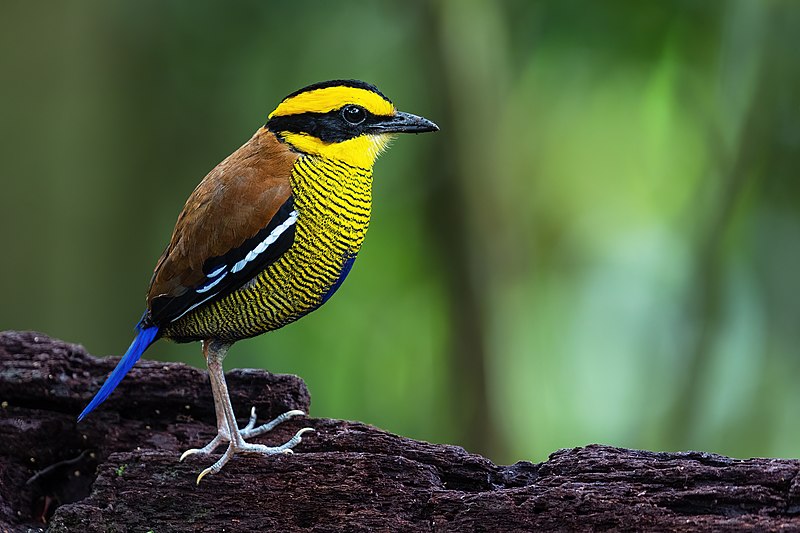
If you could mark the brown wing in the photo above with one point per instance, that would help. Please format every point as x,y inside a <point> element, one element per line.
<point>230,209</point>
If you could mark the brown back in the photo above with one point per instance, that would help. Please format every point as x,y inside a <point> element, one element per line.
<point>233,202</point>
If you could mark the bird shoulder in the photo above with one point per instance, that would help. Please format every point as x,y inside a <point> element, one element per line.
<point>233,203</point>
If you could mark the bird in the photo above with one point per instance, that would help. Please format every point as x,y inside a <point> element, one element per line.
<point>267,237</point>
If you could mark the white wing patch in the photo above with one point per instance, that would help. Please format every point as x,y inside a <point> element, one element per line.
<point>215,277</point>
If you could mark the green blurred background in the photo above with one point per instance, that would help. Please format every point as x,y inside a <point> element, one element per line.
<point>602,244</point>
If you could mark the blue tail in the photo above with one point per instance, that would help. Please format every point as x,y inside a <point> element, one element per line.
<point>144,338</point>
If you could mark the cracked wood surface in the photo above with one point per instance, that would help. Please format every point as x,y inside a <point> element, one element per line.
<point>118,470</point>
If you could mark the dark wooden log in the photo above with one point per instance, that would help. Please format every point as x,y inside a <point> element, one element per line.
<point>118,470</point>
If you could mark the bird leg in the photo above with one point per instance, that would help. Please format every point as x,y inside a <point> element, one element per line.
<point>227,427</point>
<point>223,433</point>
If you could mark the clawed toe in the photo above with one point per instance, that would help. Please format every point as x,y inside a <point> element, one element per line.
<point>208,448</point>
<point>216,467</point>
<point>251,431</point>
<point>286,447</point>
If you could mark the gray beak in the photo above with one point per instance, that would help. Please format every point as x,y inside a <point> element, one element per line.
<point>402,123</point>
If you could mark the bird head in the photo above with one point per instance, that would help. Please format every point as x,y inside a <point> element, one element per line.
<point>348,120</point>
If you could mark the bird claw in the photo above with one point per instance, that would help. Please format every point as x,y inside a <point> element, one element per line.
<point>187,453</point>
<point>252,422</point>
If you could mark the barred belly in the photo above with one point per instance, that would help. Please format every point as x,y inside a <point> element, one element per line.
<point>333,202</point>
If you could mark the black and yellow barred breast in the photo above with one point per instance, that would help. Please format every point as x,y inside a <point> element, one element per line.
<point>333,202</point>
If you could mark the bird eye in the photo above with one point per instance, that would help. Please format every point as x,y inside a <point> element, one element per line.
<point>354,114</point>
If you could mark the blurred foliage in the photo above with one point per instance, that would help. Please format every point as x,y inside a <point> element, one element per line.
<point>602,244</point>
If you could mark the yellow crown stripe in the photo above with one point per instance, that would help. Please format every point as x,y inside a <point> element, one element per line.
<point>331,98</point>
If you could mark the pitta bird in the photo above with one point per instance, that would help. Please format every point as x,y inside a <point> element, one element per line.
<point>268,236</point>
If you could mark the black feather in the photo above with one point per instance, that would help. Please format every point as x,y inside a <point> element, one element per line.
<point>166,309</point>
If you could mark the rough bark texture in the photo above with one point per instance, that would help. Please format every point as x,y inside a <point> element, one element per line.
<point>118,470</point>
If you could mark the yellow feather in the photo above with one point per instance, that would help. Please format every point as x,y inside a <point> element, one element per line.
<point>331,98</point>
<point>358,152</point>
<point>334,204</point>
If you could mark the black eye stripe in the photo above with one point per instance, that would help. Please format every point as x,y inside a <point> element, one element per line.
<point>328,127</point>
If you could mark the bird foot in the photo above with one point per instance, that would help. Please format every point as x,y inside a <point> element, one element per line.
<point>239,446</point>
<point>246,432</point>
